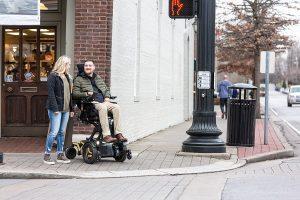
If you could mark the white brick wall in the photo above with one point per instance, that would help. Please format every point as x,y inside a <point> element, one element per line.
<point>155,108</point>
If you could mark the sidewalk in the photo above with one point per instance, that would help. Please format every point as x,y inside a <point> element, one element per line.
<point>156,154</point>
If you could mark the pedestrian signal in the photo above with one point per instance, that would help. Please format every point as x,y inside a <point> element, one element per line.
<point>181,9</point>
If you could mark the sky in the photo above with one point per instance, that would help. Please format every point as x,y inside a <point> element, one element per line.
<point>292,31</point>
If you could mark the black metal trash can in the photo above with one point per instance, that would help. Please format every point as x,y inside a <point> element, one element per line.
<point>241,116</point>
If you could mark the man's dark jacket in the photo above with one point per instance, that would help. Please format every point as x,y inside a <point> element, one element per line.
<point>55,101</point>
<point>83,84</point>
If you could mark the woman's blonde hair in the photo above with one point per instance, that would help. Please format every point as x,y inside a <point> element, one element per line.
<point>62,65</point>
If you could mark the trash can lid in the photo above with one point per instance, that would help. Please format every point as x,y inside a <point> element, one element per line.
<point>242,86</point>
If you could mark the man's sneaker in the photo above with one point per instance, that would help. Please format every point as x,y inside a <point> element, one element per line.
<point>48,160</point>
<point>121,138</point>
<point>109,139</point>
<point>62,159</point>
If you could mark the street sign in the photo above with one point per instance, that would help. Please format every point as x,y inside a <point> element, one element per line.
<point>181,9</point>
<point>19,12</point>
<point>271,61</point>
<point>203,80</point>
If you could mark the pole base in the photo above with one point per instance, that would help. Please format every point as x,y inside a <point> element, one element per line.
<point>204,145</point>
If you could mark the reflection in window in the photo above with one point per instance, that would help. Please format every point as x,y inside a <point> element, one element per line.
<point>11,61</point>
<point>29,55</point>
<point>49,5</point>
<point>47,50</point>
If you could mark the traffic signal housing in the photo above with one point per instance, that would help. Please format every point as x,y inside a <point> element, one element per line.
<point>181,9</point>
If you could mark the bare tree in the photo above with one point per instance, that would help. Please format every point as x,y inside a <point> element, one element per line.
<point>255,26</point>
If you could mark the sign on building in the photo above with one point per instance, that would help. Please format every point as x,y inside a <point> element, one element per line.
<point>203,80</point>
<point>181,9</point>
<point>271,61</point>
<point>19,12</point>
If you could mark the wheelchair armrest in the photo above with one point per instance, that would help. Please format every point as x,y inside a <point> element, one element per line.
<point>113,97</point>
<point>87,99</point>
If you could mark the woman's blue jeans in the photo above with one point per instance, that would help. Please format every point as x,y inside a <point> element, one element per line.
<point>58,126</point>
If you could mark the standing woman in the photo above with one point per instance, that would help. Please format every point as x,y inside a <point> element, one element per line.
<point>59,105</point>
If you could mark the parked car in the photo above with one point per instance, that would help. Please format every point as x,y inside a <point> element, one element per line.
<point>293,96</point>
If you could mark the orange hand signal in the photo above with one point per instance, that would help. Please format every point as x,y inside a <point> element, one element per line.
<point>176,7</point>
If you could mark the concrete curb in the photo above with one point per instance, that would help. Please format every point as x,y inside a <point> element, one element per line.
<point>216,167</point>
<point>224,156</point>
<point>287,152</point>
<point>270,156</point>
<point>33,175</point>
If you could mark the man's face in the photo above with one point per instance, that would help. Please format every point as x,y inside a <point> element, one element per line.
<point>89,67</point>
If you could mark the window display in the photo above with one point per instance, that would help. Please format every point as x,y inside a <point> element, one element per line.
<point>37,47</point>
<point>29,55</point>
<point>47,49</point>
<point>11,52</point>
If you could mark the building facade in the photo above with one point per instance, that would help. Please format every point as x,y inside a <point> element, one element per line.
<point>145,57</point>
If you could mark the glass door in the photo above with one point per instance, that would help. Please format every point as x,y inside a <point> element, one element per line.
<point>29,56</point>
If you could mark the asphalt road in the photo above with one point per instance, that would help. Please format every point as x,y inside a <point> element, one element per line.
<point>267,180</point>
<point>291,115</point>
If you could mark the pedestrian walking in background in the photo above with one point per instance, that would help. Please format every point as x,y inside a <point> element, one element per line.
<point>235,93</point>
<point>59,105</point>
<point>224,95</point>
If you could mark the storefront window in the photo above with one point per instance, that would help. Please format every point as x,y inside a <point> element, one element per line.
<point>12,49</point>
<point>47,49</point>
<point>29,55</point>
<point>49,5</point>
<point>37,48</point>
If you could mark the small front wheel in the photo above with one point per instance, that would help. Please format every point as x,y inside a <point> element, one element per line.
<point>289,105</point>
<point>71,152</point>
<point>89,153</point>
<point>121,157</point>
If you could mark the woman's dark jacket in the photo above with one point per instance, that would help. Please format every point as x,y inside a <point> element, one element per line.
<point>55,101</point>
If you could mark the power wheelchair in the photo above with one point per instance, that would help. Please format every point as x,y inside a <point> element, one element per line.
<point>94,148</point>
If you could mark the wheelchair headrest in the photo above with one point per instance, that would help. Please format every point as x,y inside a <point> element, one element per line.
<point>80,68</point>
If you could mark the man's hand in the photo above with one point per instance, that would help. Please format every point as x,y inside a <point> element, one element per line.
<point>56,113</point>
<point>107,99</point>
<point>90,93</point>
<point>71,114</point>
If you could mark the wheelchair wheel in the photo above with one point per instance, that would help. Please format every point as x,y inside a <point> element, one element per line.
<point>71,152</point>
<point>121,157</point>
<point>90,153</point>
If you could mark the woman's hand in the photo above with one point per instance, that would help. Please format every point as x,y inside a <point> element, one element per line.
<point>56,113</point>
<point>107,99</point>
<point>71,114</point>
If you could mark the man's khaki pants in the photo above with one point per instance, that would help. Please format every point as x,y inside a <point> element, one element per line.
<point>103,109</point>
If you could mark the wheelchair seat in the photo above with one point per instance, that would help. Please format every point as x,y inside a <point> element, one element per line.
<point>89,114</point>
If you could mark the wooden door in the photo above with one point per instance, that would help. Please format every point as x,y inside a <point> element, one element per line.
<point>28,57</point>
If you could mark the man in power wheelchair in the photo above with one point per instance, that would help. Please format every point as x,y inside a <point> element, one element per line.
<point>93,99</point>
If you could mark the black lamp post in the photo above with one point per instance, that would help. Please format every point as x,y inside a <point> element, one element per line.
<point>204,133</point>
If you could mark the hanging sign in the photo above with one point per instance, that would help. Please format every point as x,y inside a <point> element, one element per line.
<point>19,12</point>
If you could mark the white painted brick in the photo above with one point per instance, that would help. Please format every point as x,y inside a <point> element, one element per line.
<point>149,115</point>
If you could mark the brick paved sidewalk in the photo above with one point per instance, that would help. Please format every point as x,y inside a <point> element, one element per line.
<point>153,152</point>
<point>274,143</point>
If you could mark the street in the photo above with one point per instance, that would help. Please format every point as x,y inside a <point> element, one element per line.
<point>278,105</point>
<point>278,179</point>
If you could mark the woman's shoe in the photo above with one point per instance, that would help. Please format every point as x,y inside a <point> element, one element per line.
<point>48,160</point>
<point>62,159</point>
